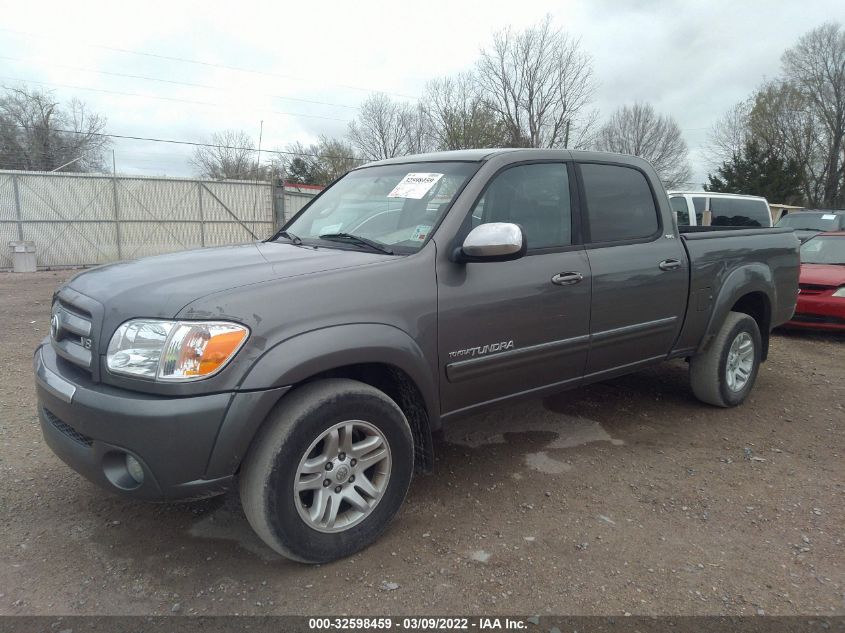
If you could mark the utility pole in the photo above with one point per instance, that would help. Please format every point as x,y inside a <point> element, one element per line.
<point>114,200</point>
<point>566,134</point>
<point>258,171</point>
<point>258,159</point>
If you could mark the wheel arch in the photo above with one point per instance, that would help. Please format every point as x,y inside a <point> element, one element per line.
<point>749,289</point>
<point>379,355</point>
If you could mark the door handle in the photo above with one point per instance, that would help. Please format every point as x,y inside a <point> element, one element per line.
<point>567,279</point>
<point>669,264</point>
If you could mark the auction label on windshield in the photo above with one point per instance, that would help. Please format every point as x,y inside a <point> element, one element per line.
<point>414,185</point>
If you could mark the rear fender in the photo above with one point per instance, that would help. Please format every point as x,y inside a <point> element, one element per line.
<point>755,277</point>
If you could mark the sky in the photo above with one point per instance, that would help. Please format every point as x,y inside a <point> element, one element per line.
<point>184,70</point>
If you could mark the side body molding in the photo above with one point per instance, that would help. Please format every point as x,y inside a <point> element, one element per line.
<point>754,277</point>
<point>297,358</point>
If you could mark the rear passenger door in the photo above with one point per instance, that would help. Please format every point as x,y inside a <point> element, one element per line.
<point>639,270</point>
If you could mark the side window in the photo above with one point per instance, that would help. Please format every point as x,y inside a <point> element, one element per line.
<point>619,203</point>
<point>679,206</point>
<point>534,196</point>
<point>739,212</point>
<point>699,203</point>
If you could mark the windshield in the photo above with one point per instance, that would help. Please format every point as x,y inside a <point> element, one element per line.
<point>824,250</point>
<point>394,206</point>
<point>810,221</point>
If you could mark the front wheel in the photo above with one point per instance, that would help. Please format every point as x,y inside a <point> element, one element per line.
<point>725,373</point>
<point>328,471</point>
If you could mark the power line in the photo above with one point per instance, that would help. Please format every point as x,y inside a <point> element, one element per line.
<point>171,81</point>
<point>171,99</point>
<point>197,62</point>
<point>192,143</point>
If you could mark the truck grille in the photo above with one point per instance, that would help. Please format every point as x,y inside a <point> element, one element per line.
<point>70,334</point>
<point>67,430</point>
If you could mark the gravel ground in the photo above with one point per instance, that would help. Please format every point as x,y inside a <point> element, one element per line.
<point>624,497</point>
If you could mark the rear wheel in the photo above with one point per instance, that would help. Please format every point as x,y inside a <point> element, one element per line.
<point>328,471</point>
<point>725,373</point>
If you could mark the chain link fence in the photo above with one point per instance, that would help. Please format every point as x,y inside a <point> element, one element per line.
<point>85,219</point>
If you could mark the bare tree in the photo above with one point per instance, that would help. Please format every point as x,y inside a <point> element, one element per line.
<point>783,121</point>
<point>385,128</point>
<point>229,155</point>
<point>415,128</point>
<point>640,131</point>
<point>816,67</point>
<point>458,117</point>
<point>539,83</point>
<point>38,133</point>
<point>320,163</point>
<point>729,135</point>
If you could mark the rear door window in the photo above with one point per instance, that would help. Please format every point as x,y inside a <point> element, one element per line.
<point>619,202</point>
<point>739,212</point>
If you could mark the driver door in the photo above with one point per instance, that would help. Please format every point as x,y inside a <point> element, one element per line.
<point>508,328</point>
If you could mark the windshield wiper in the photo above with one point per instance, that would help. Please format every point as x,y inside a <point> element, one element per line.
<point>357,239</point>
<point>290,236</point>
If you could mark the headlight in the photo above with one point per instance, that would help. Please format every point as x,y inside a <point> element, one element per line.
<point>173,351</point>
<point>840,292</point>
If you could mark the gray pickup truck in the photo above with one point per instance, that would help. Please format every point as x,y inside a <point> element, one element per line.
<point>312,368</point>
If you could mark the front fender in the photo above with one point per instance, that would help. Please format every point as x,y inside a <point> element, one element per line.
<point>754,277</point>
<point>302,356</point>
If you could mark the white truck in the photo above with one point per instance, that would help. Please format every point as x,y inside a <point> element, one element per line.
<point>693,208</point>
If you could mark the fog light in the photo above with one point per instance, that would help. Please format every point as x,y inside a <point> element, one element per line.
<point>134,468</point>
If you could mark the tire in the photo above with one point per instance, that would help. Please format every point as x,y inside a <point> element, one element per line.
<point>709,371</point>
<point>293,447</point>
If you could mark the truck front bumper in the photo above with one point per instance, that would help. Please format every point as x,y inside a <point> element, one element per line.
<point>141,445</point>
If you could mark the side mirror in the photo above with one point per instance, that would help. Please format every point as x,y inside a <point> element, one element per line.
<point>493,242</point>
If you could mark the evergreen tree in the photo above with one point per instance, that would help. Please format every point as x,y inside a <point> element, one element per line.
<point>755,171</point>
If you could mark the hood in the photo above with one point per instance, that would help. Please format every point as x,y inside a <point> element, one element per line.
<point>160,286</point>
<point>822,274</point>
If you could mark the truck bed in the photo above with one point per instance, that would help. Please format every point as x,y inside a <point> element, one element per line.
<point>715,252</point>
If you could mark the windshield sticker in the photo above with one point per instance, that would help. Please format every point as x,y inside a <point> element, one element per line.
<point>828,216</point>
<point>421,232</point>
<point>414,185</point>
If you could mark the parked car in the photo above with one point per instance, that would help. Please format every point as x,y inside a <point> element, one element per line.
<point>311,369</point>
<point>726,209</point>
<point>809,223</point>
<point>821,289</point>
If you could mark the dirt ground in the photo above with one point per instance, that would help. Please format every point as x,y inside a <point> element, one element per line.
<point>624,497</point>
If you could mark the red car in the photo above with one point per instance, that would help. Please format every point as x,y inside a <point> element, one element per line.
<point>821,286</point>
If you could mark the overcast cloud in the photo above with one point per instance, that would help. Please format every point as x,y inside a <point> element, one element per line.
<point>692,60</point>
